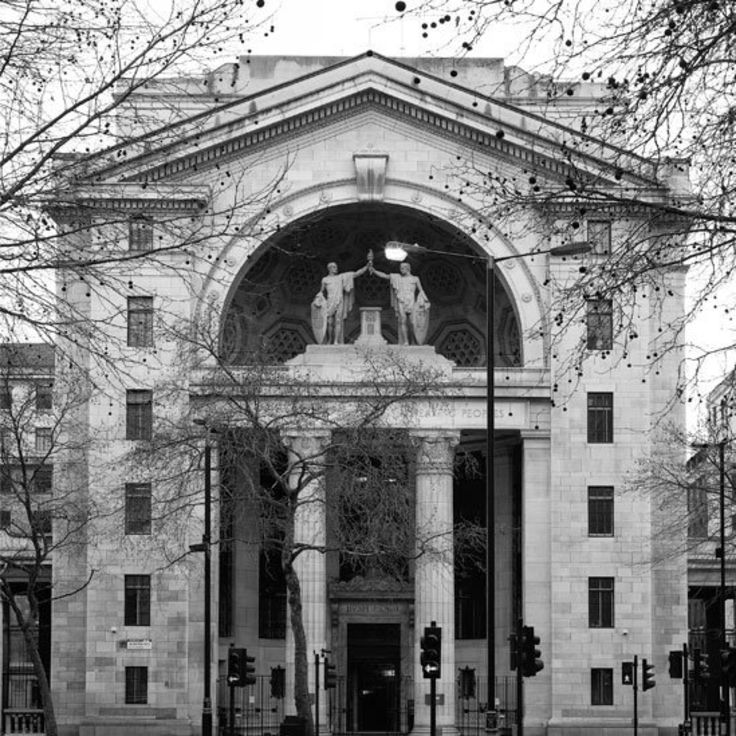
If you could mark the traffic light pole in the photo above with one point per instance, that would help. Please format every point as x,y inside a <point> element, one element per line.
<point>519,679</point>
<point>636,695</point>
<point>685,683</point>
<point>433,707</point>
<point>316,694</point>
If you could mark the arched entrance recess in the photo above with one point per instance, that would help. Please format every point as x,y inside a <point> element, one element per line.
<point>268,311</point>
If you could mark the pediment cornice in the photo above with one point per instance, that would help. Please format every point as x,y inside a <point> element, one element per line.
<point>289,110</point>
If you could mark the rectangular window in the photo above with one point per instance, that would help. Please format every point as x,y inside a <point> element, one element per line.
<point>41,478</point>
<point>140,321</point>
<point>600,417</point>
<point>41,520</point>
<point>44,396</point>
<point>697,512</point>
<point>136,685</point>
<point>137,600</point>
<point>601,686</point>
<point>6,398</point>
<point>6,479</point>
<point>43,440</point>
<point>137,508</point>
<point>599,323</point>
<point>599,236</point>
<point>4,519</point>
<point>600,511</point>
<point>600,603</point>
<point>139,415</point>
<point>140,233</point>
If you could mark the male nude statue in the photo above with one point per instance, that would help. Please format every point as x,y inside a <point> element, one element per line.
<point>409,302</point>
<point>333,303</point>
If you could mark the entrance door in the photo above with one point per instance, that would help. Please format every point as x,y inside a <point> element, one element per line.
<point>374,678</point>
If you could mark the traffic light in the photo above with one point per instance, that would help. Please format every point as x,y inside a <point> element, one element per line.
<point>513,652</point>
<point>431,645</point>
<point>627,673</point>
<point>675,659</point>
<point>278,682</point>
<point>701,668</point>
<point>647,675</point>
<point>529,655</point>
<point>248,668</point>
<point>467,683</point>
<point>330,675</point>
<point>234,671</point>
<point>728,665</point>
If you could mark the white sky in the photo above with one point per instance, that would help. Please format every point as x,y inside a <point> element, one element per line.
<point>351,27</point>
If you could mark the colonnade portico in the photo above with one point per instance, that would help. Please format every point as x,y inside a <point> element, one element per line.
<point>434,566</point>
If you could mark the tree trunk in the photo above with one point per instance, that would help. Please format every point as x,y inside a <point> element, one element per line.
<point>30,636</point>
<point>301,663</point>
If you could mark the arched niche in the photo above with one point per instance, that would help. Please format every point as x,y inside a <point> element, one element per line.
<point>268,310</point>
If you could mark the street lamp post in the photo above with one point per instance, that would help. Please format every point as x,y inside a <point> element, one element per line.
<point>396,251</point>
<point>205,547</point>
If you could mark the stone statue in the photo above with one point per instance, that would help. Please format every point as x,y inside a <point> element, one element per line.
<point>408,301</point>
<point>333,303</point>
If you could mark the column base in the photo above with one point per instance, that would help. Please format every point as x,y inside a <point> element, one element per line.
<point>445,730</point>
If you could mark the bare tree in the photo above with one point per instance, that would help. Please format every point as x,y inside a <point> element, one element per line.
<point>71,79</point>
<point>661,74</point>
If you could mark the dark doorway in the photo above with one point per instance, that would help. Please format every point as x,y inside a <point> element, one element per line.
<point>374,677</point>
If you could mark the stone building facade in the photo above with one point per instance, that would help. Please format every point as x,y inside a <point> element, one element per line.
<point>263,173</point>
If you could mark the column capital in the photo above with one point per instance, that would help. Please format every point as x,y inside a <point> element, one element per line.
<point>436,450</point>
<point>306,443</point>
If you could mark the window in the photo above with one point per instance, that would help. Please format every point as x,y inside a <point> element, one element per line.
<point>697,512</point>
<point>41,523</point>
<point>601,686</point>
<point>6,398</point>
<point>139,415</point>
<point>137,600</point>
<point>41,478</point>
<point>600,603</point>
<point>600,511</point>
<point>600,417</point>
<point>37,479</point>
<point>140,321</point>
<point>599,235</point>
<point>4,519</point>
<point>43,440</point>
<point>140,233</point>
<point>44,396</point>
<point>599,322</point>
<point>137,508</point>
<point>136,685</point>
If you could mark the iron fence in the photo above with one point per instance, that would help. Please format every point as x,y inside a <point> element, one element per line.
<point>256,712</point>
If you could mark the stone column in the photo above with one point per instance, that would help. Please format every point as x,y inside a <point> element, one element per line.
<point>435,576</point>
<point>310,529</point>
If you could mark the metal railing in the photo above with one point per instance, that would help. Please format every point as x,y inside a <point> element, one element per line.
<point>23,721</point>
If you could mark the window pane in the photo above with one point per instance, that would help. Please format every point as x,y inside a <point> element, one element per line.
<point>43,440</point>
<point>600,417</point>
<point>599,322</point>
<point>601,686</point>
<point>140,321</point>
<point>136,685</point>
<point>137,508</point>
<point>137,600</point>
<point>44,396</point>
<point>600,510</point>
<point>41,478</point>
<point>139,415</point>
<point>140,233</point>
<point>599,235</point>
<point>600,603</point>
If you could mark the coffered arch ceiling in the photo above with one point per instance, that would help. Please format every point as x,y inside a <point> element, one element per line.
<point>268,314</point>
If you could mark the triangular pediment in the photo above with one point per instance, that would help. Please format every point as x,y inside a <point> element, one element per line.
<point>396,90</point>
